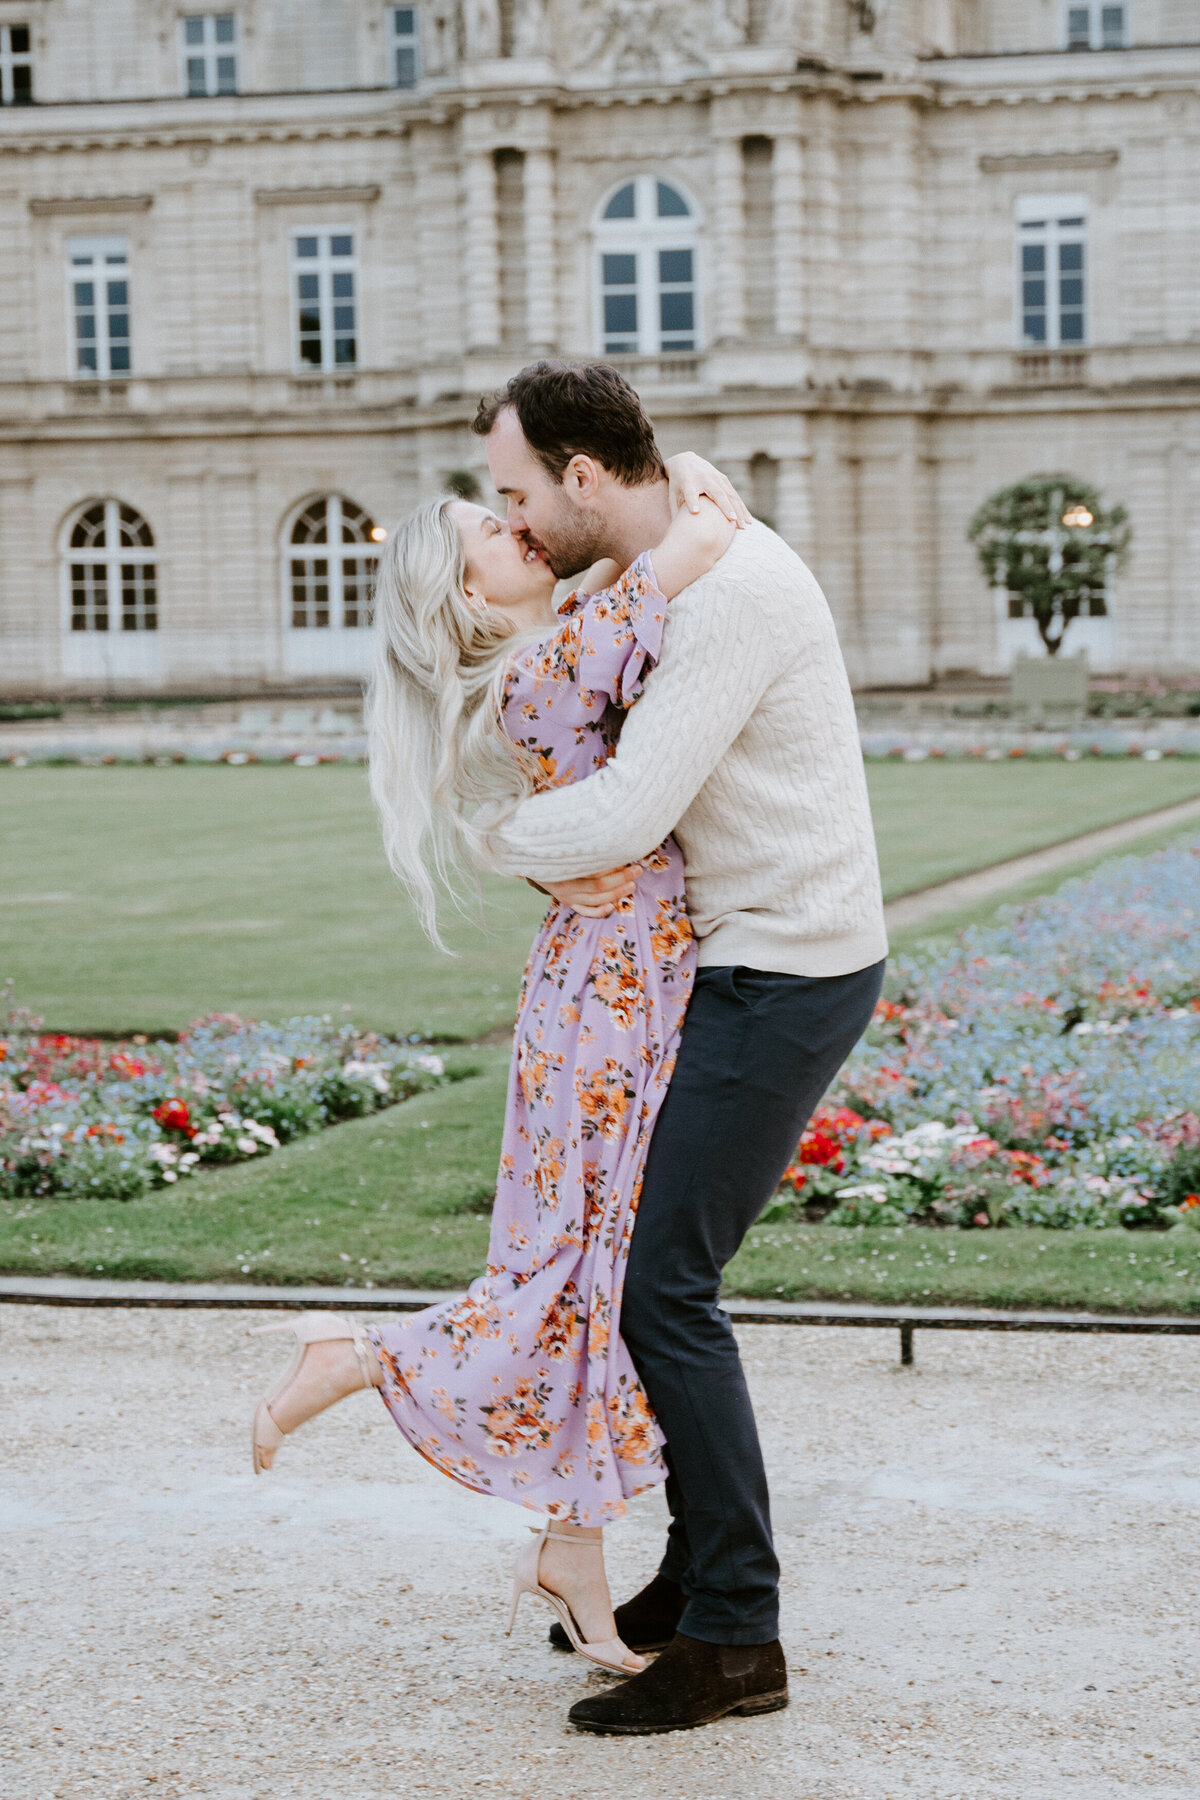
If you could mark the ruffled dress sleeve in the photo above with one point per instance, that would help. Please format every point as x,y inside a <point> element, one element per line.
<point>620,633</point>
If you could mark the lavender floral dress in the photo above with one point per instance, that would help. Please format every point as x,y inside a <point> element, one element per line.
<point>523,1388</point>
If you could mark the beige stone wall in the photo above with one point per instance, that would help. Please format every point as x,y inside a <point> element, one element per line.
<point>859,371</point>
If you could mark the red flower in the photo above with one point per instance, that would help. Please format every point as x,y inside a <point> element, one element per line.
<point>173,1115</point>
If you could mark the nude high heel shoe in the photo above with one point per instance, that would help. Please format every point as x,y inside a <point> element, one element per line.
<point>309,1328</point>
<point>610,1653</point>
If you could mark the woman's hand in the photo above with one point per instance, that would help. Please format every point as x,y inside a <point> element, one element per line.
<point>690,476</point>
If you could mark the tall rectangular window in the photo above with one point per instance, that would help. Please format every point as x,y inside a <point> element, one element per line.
<point>1096,25</point>
<point>647,270</point>
<point>98,299</point>
<point>209,52</point>
<point>324,275</point>
<point>1052,272</point>
<point>406,46</point>
<point>16,66</point>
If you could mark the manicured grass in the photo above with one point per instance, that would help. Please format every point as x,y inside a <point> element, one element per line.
<point>934,821</point>
<point>138,899</point>
<point>401,1199</point>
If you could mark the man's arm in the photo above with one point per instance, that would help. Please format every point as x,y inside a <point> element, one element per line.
<point>716,663</point>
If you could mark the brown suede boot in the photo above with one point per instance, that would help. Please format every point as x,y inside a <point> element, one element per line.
<point>645,1623</point>
<point>692,1683</point>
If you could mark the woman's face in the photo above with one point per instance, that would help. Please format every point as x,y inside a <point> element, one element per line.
<point>502,572</point>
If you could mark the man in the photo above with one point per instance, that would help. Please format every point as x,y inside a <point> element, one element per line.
<point>744,744</point>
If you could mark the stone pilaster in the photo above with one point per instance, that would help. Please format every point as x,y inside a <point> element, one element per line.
<point>728,287</point>
<point>788,172</point>
<point>482,246</point>
<point>540,261</point>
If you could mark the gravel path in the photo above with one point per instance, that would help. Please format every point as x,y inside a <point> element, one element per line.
<point>990,1565</point>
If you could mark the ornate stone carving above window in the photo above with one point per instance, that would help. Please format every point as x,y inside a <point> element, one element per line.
<point>666,38</point>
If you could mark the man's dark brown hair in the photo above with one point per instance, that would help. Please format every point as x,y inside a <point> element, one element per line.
<point>578,409</point>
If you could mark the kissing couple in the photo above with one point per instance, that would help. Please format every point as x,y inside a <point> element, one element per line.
<point>681,723</point>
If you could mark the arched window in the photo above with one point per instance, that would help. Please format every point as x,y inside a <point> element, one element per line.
<point>646,270</point>
<point>110,560</point>
<point>334,548</point>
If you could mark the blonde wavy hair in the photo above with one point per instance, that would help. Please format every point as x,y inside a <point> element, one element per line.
<point>437,743</point>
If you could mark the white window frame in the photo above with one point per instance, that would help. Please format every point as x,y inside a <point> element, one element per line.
<point>97,260</point>
<point>209,52</point>
<point>398,41</point>
<point>325,265</point>
<point>1096,37</point>
<point>335,553</point>
<point>1054,214</point>
<point>644,237</point>
<point>11,60</point>
<point>114,557</point>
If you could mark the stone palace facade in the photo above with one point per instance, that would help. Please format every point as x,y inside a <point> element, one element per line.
<point>875,257</point>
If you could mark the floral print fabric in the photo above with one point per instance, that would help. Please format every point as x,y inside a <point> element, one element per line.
<point>523,1388</point>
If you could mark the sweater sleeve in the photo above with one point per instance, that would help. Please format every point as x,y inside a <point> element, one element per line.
<point>716,664</point>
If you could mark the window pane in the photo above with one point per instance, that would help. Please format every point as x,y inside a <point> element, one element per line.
<point>193,31</point>
<point>1070,256</point>
<point>118,359</point>
<point>676,312</point>
<point>675,265</point>
<point>224,24</point>
<point>1079,28</point>
<point>1033,293</point>
<point>1035,328</point>
<point>1033,258</point>
<point>310,351</point>
<point>671,205</point>
<point>405,21</point>
<point>85,325</point>
<point>341,246</point>
<point>1112,27</point>
<point>306,246</point>
<point>343,285</point>
<point>343,318</point>
<point>620,271</point>
<point>118,325</point>
<point>22,81</point>
<point>19,39</point>
<point>84,293</point>
<point>118,293</point>
<point>406,66</point>
<point>307,287</point>
<point>620,312</point>
<point>1071,330</point>
<point>86,359</point>
<point>1070,291</point>
<point>195,75</point>
<point>226,75</point>
<point>343,352</point>
<point>621,204</point>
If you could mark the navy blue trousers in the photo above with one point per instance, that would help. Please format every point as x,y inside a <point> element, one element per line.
<point>757,1052</point>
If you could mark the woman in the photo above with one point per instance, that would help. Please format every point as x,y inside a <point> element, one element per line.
<point>481,691</point>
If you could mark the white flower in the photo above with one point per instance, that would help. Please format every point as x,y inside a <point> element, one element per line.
<point>865,1190</point>
<point>432,1065</point>
<point>163,1153</point>
<point>264,1133</point>
<point>375,1074</point>
<point>187,1159</point>
<point>247,1146</point>
<point>169,1175</point>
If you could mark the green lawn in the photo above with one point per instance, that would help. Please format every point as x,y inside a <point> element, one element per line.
<point>137,899</point>
<point>400,1199</point>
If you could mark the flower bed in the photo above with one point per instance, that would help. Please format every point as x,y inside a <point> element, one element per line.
<point>1043,1071</point>
<point>84,1119</point>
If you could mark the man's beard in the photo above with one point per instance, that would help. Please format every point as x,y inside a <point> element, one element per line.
<point>573,542</point>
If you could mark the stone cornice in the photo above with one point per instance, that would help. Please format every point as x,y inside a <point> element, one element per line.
<point>72,205</point>
<point>316,196</point>
<point>1036,161</point>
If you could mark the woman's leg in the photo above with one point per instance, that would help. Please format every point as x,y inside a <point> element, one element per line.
<point>328,1372</point>
<point>576,1574</point>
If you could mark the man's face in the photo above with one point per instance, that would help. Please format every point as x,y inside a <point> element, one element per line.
<point>565,532</point>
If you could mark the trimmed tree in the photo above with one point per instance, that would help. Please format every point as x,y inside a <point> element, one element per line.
<point>1051,542</point>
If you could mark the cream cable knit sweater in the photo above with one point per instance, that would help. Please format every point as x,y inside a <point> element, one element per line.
<point>745,744</point>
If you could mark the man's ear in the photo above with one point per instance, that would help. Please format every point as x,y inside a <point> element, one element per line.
<point>581,478</point>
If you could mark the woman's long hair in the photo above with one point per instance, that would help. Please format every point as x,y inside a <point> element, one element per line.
<point>436,738</point>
